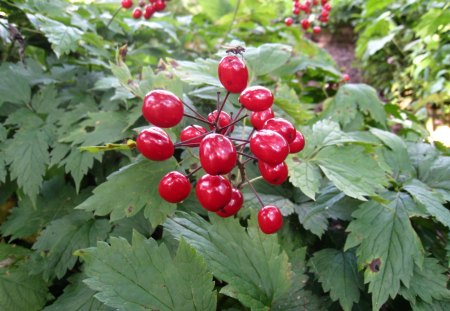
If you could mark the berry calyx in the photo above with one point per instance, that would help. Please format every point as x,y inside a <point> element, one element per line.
<point>269,146</point>
<point>256,98</point>
<point>258,118</point>
<point>162,108</point>
<point>224,120</point>
<point>288,21</point>
<point>233,74</point>
<point>213,192</point>
<point>305,24</point>
<point>270,219</point>
<point>174,187</point>
<point>282,127</point>
<point>155,144</point>
<point>273,174</point>
<point>298,144</point>
<point>233,206</point>
<point>190,133</point>
<point>137,13</point>
<point>217,154</point>
<point>126,4</point>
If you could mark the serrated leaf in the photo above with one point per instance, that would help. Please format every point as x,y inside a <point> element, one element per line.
<point>77,296</point>
<point>428,283</point>
<point>147,277</point>
<point>388,248</point>
<point>267,57</point>
<point>131,189</point>
<point>288,101</point>
<point>56,244</point>
<point>437,305</point>
<point>14,88</point>
<point>201,71</point>
<point>313,218</point>
<point>352,170</point>
<point>19,290</point>
<point>338,273</point>
<point>46,100</point>
<point>256,271</point>
<point>304,175</point>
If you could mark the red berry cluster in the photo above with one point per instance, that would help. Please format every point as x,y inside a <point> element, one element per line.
<point>309,14</point>
<point>145,9</point>
<point>271,140</point>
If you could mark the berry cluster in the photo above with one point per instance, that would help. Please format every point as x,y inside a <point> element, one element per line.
<point>145,9</point>
<point>270,142</point>
<point>309,14</point>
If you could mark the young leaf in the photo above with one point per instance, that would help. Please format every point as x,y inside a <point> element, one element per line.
<point>55,246</point>
<point>338,273</point>
<point>387,247</point>
<point>143,276</point>
<point>131,189</point>
<point>256,271</point>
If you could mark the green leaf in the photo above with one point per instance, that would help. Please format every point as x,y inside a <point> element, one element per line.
<point>131,189</point>
<point>78,163</point>
<point>338,273</point>
<point>312,217</point>
<point>431,200</point>
<point>352,170</point>
<point>147,277</point>
<point>304,175</point>
<point>437,305</point>
<point>215,9</point>
<point>77,296</point>
<point>428,283</point>
<point>387,247</point>
<point>267,58</point>
<point>256,271</point>
<point>46,100</point>
<point>64,39</point>
<point>288,101</point>
<point>202,71</point>
<point>14,88</point>
<point>56,244</point>
<point>19,290</point>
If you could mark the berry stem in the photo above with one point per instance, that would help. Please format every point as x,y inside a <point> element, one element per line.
<point>238,139</point>
<point>231,124</point>
<point>218,101</point>
<point>247,155</point>
<point>114,16</point>
<point>193,172</point>
<point>186,142</point>
<point>246,161</point>
<point>248,182</point>
<point>195,112</point>
<point>198,119</point>
<point>220,109</point>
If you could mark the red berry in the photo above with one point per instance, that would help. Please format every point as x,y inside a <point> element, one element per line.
<point>256,98</point>
<point>232,207</point>
<point>317,29</point>
<point>159,5</point>
<point>324,2</point>
<point>142,3</point>
<point>346,77</point>
<point>126,4</point>
<point>155,144</point>
<point>258,118</point>
<point>269,146</point>
<point>162,108</point>
<point>298,144</point>
<point>308,3</point>
<point>224,120</point>
<point>296,10</point>
<point>233,74</point>
<point>305,24</point>
<point>323,19</point>
<point>315,2</point>
<point>325,13</point>
<point>174,187</point>
<point>213,192</point>
<point>217,154</point>
<point>137,13</point>
<point>189,134</point>
<point>303,8</point>
<point>327,7</point>
<point>282,127</point>
<point>273,174</point>
<point>288,21</point>
<point>149,11</point>
<point>270,219</point>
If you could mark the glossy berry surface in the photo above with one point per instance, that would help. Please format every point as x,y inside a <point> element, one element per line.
<point>282,127</point>
<point>288,21</point>
<point>192,135</point>
<point>159,5</point>
<point>233,206</point>
<point>346,77</point>
<point>269,146</point>
<point>224,120</point>
<point>273,174</point>
<point>126,4</point>
<point>270,219</point>
<point>233,74</point>
<point>137,13</point>
<point>317,29</point>
<point>162,108</point>
<point>174,187</point>
<point>217,154</point>
<point>305,24</point>
<point>298,144</point>
<point>256,98</point>
<point>213,192</point>
<point>155,144</point>
<point>258,118</point>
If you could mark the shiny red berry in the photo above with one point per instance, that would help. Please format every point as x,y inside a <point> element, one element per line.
<point>273,174</point>
<point>305,24</point>
<point>217,154</point>
<point>233,74</point>
<point>296,10</point>
<point>162,108</point>
<point>174,187</point>
<point>327,7</point>
<point>317,29</point>
<point>256,98</point>
<point>270,219</point>
<point>325,13</point>
<point>282,127</point>
<point>155,144</point>
<point>269,146</point>
<point>126,4</point>
<point>189,134</point>
<point>213,192</point>
<point>258,118</point>
<point>224,120</point>
<point>288,21</point>
<point>149,11</point>
<point>298,144</point>
<point>232,207</point>
<point>346,77</point>
<point>159,5</point>
<point>137,13</point>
